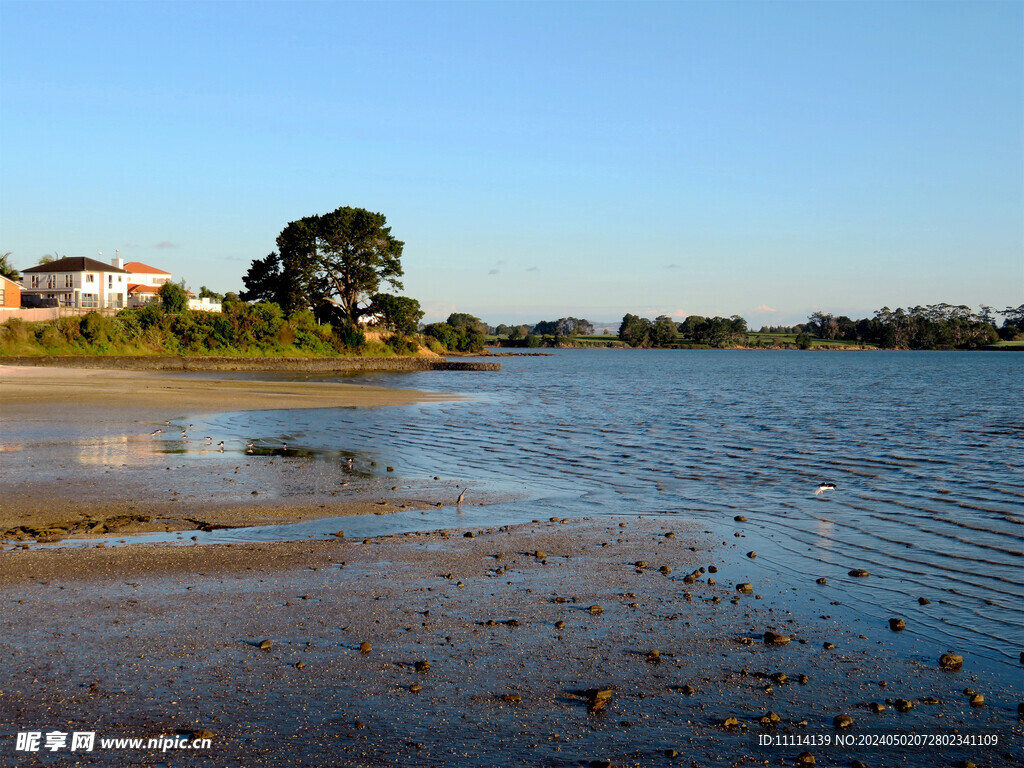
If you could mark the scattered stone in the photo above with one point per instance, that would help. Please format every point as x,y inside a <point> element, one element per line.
<point>596,609</point>
<point>469,535</point>
<point>265,645</point>
<point>559,624</point>
<point>422,666</point>
<point>730,722</point>
<point>598,699</point>
<point>771,638</point>
<point>751,554</point>
<point>365,647</point>
<point>951,661</point>
<point>897,625</point>
<point>779,677</point>
<point>688,690</point>
<point>511,698</point>
<point>670,753</point>
<point>300,665</point>
<point>977,700</point>
<point>822,580</point>
<point>770,719</point>
<point>745,588</point>
<point>740,519</point>
<point>930,700</point>
<point>665,569</point>
<point>876,707</point>
<point>805,760</point>
<point>926,601</point>
<point>415,688</point>
<point>828,646</point>
<point>803,679</point>
<point>654,656</point>
<point>903,705</point>
<point>859,573</point>
<point>842,721</point>
<point>640,564</point>
<point>201,734</point>
<point>712,569</point>
<point>857,764</point>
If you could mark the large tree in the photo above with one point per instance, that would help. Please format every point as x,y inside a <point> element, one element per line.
<point>341,258</point>
<point>333,263</point>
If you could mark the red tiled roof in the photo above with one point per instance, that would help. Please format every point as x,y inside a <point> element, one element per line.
<point>145,269</point>
<point>136,288</point>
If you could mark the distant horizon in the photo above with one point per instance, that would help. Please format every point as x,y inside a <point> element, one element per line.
<point>542,160</point>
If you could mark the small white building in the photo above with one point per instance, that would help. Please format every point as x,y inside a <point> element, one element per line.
<point>205,304</point>
<point>78,281</point>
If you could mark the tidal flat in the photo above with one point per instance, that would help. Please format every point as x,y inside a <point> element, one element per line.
<point>629,630</point>
<point>310,653</point>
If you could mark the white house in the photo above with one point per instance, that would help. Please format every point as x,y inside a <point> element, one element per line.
<point>77,281</point>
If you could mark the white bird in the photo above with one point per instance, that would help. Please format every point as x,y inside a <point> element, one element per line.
<point>221,446</point>
<point>208,440</point>
<point>155,432</point>
<point>462,495</point>
<point>825,487</point>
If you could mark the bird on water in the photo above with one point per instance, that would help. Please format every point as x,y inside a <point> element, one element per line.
<point>825,487</point>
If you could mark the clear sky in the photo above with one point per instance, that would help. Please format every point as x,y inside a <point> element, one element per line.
<point>537,159</point>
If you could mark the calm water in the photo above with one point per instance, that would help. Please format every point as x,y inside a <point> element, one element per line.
<point>924,448</point>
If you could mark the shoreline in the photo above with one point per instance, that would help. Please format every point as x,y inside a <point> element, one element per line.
<point>142,489</point>
<point>166,640</point>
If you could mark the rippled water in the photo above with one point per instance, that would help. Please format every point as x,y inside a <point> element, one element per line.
<point>924,448</point>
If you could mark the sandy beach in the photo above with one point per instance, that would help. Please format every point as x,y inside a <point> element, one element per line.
<point>146,499</point>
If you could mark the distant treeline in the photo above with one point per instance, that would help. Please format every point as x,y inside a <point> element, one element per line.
<point>936,326</point>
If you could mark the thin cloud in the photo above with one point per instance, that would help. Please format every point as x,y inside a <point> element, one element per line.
<point>681,313</point>
<point>492,272</point>
<point>166,244</point>
<point>532,269</point>
<point>673,266</point>
<point>764,308</point>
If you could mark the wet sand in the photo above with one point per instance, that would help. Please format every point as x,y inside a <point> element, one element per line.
<point>137,491</point>
<point>145,641</point>
<point>81,393</point>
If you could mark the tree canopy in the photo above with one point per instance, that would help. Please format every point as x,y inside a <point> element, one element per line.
<point>7,269</point>
<point>173,297</point>
<point>397,313</point>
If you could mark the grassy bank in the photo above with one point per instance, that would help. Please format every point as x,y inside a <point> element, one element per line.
<point>242,330</point>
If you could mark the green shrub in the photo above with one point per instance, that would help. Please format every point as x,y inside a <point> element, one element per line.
<point>94,328</point>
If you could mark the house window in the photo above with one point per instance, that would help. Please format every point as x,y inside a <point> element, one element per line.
<point>90,300</point>
<point>69,281</point>
<point>90,278</point>
<point>35,281</point>
<point>3,293</point>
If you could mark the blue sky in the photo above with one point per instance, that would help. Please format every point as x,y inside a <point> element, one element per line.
<point>537,159</point>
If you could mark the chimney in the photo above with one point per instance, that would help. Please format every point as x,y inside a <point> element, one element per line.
<point>119,263</point>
